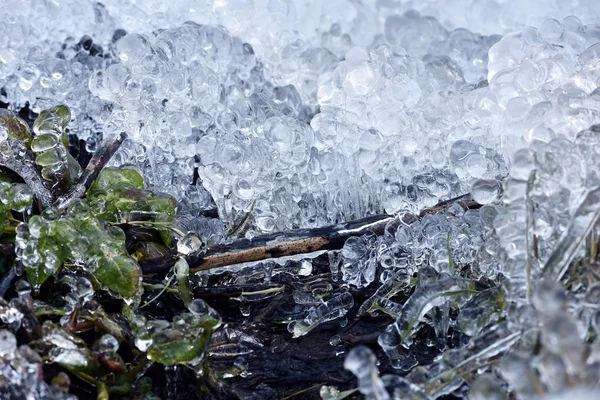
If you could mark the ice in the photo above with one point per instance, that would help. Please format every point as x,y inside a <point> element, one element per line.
<point>21,374</point>
<point>157,80</point>
<point>485,191</point>
<point>156,83</point>
<point>333,308</point>
<point>487,387</point>
<point>108,343</point>
<point>287,114</point>
<point>361,362</point>
<point>10,314</point>
<point>8,344</point>
<point>583,220</point>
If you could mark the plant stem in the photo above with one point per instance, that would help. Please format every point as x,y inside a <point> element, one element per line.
<point>159,293</point>
<point>265,291</point>
<point>98,161</point>
<point>302,241</point>
<point>102,391</point>
<point>25,168</point>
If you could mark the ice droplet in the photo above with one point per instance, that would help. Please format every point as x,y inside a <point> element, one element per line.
<point>189,243</point>
<point>108,343</point>
<point>485,191</point>
<point>8,344</point>
<point>361,362</point>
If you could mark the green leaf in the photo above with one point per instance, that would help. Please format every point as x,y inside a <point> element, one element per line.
<point>117,178</point>
<point>164,204</point>
<point>69,351</point>
<point>180,350</point>
<point>3,218</point>
<point>50,146</point>
<point>165,233</point>
<point>182,272</point>
<point>121,275</point>
<point>45,249</point>
<point>73,169</point>
<point>44,142</point>
<point>53,121</point>
<point>166,207</point>
<point>15,196</point>
<point>14,126</point>
<point>65,234</point>
<point>50,158</point>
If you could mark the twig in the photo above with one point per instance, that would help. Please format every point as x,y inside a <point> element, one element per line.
<point>7,281</point>
<point>236,228</point>
<point>234,290</point>
<point>303,391</point>
<point>146,304</point>
<point>285,243</point>
<point>98,161</point>
<point>24,167</point>
<point>302,241</point>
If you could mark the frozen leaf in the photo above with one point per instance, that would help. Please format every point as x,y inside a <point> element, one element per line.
<point>53,121</point>
<point>15,196</point>
<point>184,340</point>
<point>121,275</point>
<point>118,195</point>
<point>51,239</point>
<point>14,127</point>
<point>182,272</point>
<point>44,142</point>
<point>50,157</point>
<point>42,254</point>
<point>584,219</point>
<point>50,148</point>
<point>117,179</point>
<point>177,349</point>
<point>69,351</point>
<point>428,294</point>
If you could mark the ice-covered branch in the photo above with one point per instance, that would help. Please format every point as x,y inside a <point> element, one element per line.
<point>24,167</point>
<point>302,241</point>
<point>98,161</point>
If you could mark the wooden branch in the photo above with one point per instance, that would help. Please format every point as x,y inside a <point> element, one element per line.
<point>98,161</point>
<point>25,168</point>
<point>304,241</point>
<point>7,254</point>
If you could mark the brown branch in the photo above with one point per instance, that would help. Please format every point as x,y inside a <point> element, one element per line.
<point>98,161</point>
<point>8,278</point>
<point>304,241</point>
<point>24,167</point>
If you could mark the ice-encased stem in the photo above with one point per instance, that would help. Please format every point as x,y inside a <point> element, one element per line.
<point>583,221</point>
<point>426,297</point>
<point>302,241</point>
<point>484,347</point>
<point>98,161</point>
<point>331,309</point>
<point>361,362</point>
<point>25,169</point>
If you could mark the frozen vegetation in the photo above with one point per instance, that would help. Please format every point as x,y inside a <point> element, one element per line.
<point>288,114</point>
